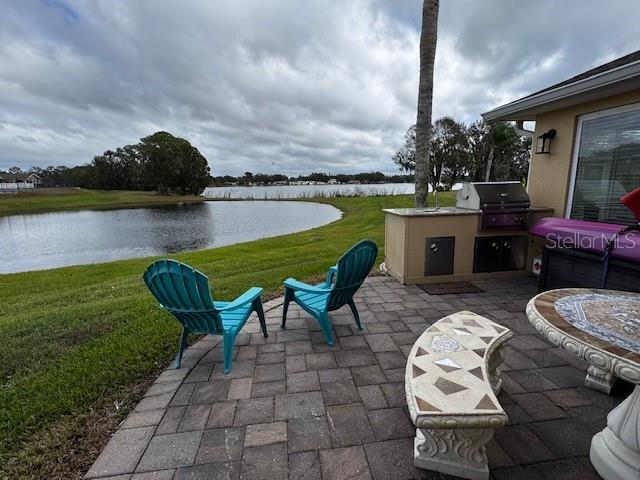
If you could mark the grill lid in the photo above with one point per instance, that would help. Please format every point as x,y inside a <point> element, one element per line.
<point>492,195</point>
<point>501,192</point>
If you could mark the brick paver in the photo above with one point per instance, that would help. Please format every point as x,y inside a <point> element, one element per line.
<point>294,407</point>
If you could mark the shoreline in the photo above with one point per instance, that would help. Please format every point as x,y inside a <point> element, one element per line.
<point>78,199</point>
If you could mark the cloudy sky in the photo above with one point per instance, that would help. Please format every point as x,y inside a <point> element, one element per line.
<point>276,85</point>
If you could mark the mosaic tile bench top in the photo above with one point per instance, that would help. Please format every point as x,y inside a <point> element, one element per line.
<point>605,319</point>
<point>447,372</point>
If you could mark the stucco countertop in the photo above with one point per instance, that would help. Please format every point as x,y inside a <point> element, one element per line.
<point>445,211</point>
<point>430,211</point>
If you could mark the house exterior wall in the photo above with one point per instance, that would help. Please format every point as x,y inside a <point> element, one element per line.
<point>15,186</point>
<point>549,175</point>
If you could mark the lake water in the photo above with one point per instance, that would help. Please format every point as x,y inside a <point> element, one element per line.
<point>36,242</point>
<point>309,191</point>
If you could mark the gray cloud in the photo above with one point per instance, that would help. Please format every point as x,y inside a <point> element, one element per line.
<point>277,85</point>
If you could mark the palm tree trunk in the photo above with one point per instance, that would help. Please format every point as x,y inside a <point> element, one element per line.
<point>428,39</point>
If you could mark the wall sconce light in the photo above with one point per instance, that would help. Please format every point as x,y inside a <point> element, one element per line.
<point>544,141</point>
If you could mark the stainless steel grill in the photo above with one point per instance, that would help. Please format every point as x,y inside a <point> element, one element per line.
<point>503,204</point>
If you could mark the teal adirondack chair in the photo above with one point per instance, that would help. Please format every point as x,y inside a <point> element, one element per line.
<point>342,282</point>
<point>184,292</point>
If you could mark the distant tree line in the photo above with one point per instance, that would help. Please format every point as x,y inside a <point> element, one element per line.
<point>475,152</point>
<point>158,162</point>
<point>273,179</point>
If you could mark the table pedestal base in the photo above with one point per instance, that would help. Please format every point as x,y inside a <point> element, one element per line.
<point>615,451</point>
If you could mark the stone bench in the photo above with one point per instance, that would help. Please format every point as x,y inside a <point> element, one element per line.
<point>451,382</point>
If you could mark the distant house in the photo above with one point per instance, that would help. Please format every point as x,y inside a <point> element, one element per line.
<point>19,181</point>
<point>586,151</point>
<point>332,181</point>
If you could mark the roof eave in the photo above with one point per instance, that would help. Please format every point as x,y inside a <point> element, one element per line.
<point>528,107</point>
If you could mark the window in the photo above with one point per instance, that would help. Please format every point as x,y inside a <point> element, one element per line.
<point>606,165</point>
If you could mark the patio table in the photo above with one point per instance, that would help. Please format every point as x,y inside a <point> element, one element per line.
<point>603,328</point>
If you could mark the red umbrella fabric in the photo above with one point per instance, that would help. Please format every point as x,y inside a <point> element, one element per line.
<point>632,201</point>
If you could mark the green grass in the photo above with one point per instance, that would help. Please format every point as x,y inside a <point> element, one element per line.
<point>73,339</point>
<point>56,199</point>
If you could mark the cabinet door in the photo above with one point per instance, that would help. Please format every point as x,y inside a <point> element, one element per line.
<point>439,254</point>
<point>486,257</point>
<point>514,252</point>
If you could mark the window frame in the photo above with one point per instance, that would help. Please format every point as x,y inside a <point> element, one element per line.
<point>576,146</point>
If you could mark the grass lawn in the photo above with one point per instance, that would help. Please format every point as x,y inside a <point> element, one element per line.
<point>55,199</point>
<point>77,341</point>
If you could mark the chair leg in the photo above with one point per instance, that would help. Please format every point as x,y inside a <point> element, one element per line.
<point>181,346</point>
<point>325,325</point>
<point>227,351</point>
<point>356,315</point>
<point>288,296</point>
<point>257,306</point>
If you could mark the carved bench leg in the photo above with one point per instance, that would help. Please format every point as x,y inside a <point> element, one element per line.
<point>459,452</point>
<point>599,379</point>
<point>495,374</point>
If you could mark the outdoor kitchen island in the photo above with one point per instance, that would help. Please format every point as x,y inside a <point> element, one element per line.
<point>428,245</point>
<point>486,233</point>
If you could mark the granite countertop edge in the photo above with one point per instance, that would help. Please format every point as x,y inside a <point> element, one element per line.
<point>445,211</point>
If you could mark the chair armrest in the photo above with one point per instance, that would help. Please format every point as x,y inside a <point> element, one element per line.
<point>333,271</point>
<point>296,285</point>
<point>247,297</point>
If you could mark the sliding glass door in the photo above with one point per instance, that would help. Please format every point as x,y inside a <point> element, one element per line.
<point>606,165</point>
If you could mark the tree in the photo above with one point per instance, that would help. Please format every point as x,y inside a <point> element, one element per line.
<point>479,146</point>
<point>318,177</point>
<point>428,40</point>
<point>449,152</point>
<point>497,152</point>
<point>472,152</point>
<point>121,169</point>
<point>405,158</point>
<point>511,153</point>
<point>247,179</point>
<point>172,165</point>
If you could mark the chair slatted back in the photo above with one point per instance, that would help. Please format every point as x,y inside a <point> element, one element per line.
<point>184,292</point>
<point>353,268</point>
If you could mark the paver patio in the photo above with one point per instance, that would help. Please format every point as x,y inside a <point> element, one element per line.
<point>293,407</point>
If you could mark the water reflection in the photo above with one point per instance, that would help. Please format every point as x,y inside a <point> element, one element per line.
<point>34,242</point>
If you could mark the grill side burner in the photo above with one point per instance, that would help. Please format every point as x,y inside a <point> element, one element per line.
<point>503,204</point>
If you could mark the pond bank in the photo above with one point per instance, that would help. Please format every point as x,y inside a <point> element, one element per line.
<point>62,199</point>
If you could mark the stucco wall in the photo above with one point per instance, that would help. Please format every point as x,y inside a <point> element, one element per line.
<point>395,245</point>
<point>549,173</point>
